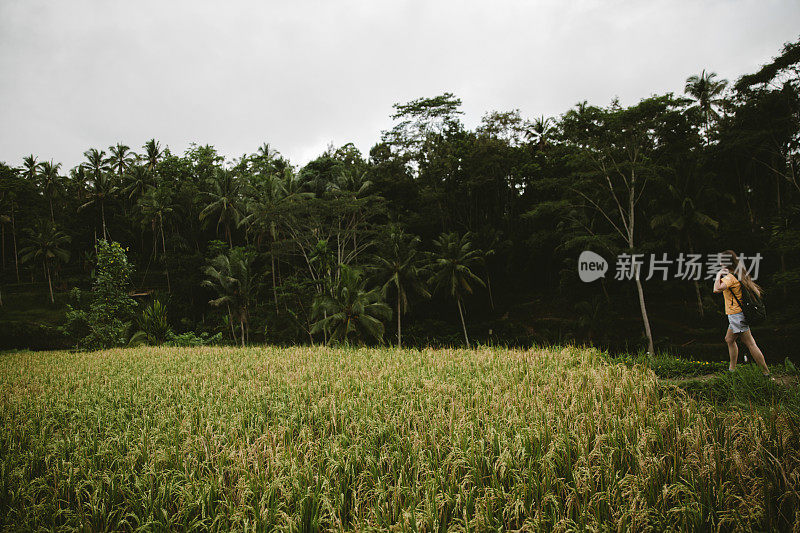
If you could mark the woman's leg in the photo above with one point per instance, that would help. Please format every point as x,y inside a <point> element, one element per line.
<point>733,349</point>
<point>750,342</point>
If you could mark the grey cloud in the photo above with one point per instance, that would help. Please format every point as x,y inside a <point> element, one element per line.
<point>302,74</point>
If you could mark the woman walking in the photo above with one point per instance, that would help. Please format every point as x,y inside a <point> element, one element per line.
<point>729,281</point>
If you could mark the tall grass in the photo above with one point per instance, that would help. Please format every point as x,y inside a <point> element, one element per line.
<point>303,439</point>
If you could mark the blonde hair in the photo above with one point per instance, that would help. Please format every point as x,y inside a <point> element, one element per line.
<point>731,260</point>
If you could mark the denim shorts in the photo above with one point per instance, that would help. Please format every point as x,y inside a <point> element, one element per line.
<point>737,323</point>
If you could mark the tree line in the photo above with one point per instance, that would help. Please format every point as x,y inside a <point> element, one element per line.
<point>460,233</point>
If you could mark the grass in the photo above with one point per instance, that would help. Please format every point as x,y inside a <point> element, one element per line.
<point>302,439</point>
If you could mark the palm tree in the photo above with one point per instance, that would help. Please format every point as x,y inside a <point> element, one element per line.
<point>265,212</point>
<point>229,275</point>
<point>706,91</point>
<point>102,186</point>
<point>153,154</point>
<point>138,180</point>
<point>350,183</point>
<point>224,201</point>
<point>398,268</point>
<point>46,244</point>
<point>30,168</point>
<point>540,130</point>
<point>155,206</point>
<point>685,219</point>
<point>452,269</point>
<point>350,311</point>
<point>121,159</point>
<point>79,180</point>
<point>49,181</point>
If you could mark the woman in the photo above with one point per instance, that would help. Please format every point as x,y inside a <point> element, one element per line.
<point>730,286</point>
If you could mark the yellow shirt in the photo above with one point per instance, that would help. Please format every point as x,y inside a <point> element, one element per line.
<point>733,285</point>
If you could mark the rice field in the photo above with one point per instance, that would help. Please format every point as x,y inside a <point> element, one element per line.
<point>307,439</point>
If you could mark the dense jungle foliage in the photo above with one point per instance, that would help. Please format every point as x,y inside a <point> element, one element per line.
<point>440,235</point>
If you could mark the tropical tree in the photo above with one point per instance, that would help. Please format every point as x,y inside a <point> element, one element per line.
<point>541,130</point>
<point>50,181</point>
<point>224,201</point>
<point>102,187</point>
<point>230,277</point>
<point>78,180</point>
<point>451,269</point>
<point>46,244</point>
<point>11,186</point>
<point>138,179</point>
<point>121,158</point>
<point>398,268</point>
<point>685,219</point>
<point>266,210</point>
<point>616,148</point>
<point>30,168</point>
<point>706,92</point>
<point>156,207</point>
<point>350,312</point>
<point>152,154</point>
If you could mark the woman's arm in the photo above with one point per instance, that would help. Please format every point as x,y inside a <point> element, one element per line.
<point>720,285</point>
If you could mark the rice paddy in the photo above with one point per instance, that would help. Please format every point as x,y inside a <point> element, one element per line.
<point>306,439</point>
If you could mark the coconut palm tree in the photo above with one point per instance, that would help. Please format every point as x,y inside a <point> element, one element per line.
<point>229,275</point>
<point>540,130</point>
<point>138,179</point>
<point>46,244</point>
<point>152,154</point>
<point>266,209</point>
<point>79,180</point>
<point>224,201</point>
<point>156,207</point>
<point>30,168</point>
<point>101,192</point>
<point>685,218</point>
<point>50,181</point>
<point>452,266</point>
<point>121,158</point>
<point>102,187</point>
<point>399,269</point>
<point>350,312</point>
<point>706,92</point>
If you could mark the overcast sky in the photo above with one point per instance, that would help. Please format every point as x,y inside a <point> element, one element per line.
<point>303,74</point>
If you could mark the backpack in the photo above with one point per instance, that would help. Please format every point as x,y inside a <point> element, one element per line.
<point>752,306</point>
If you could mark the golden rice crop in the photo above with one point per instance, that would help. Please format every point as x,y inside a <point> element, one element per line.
<point>319,438</point>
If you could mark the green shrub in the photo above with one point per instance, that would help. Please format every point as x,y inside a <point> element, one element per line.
<point>153,325</point>
<point>191,339</point>
<point>102,318</point>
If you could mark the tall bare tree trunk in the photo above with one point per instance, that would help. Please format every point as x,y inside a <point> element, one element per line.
<point>696,283</point>
<point>14,235</point>
<point>103,214</point>
<point>631,226</point>
<point>463,324</point>
<point>230,322</point>
<point>49,282</point>
<point>274,284</point>
<point>699,298</point>
<point>489,286</point>
<point>164,253</point>
<point>398,321</point>
<point>646,321</point>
